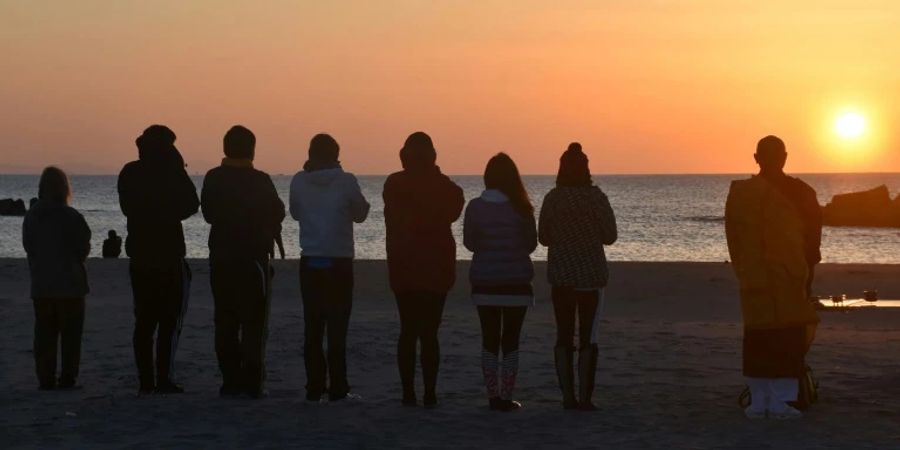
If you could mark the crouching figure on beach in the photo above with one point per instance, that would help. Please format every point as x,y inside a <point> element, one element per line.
<point>576,221</point>
<point>499,229</point>
<point>773,226</point>
<point>244,211</point>
<point>326,201</point>
<point>420,204</point>
<point>57,241</point>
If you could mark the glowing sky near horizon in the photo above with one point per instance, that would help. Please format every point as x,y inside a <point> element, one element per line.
<point>646,86</point>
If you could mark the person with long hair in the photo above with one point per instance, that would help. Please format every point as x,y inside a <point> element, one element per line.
<point>420,204</point>
<point>576,221</point>
<point>57,241</point>
<point>499,229</point>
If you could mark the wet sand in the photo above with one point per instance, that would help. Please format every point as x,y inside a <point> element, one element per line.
<point>668,376</point>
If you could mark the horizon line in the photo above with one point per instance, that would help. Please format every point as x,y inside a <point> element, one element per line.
<point>597,174</point>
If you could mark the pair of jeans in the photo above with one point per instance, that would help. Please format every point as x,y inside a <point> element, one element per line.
<point>160,301</point>
<point>420,319</point>
<point>57,320</point>
<point>326,285</point>
<point>241,293</point>
<point>569,304</point>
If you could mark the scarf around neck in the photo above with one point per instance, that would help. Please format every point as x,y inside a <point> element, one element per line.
<point>243,163</point>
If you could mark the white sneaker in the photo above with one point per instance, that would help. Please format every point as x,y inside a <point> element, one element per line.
<point>785,412</point>
<point>755,413</point>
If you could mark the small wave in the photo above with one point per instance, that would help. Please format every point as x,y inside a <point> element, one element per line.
<point>706,218</point>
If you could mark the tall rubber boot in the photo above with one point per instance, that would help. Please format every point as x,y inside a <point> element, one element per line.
<point>587,369</point>
<point>566,375</point>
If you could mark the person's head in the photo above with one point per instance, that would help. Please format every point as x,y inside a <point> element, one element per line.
<point>157,144</point>
<point>418,152</point>
<point>323,149</point>
<point>573,167</point>
<point>771,154</point>
<point>239,143</point>
<point>54,186</point>
<point>111,234</point>
<point>502,174</point>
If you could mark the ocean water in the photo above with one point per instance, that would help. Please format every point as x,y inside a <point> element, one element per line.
<point>660,217</point>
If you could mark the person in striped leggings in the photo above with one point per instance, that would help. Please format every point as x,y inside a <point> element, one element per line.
<point>499,228</point>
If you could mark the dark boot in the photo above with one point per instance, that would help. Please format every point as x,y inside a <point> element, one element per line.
<point>566,375</point>
<point>587,368</point>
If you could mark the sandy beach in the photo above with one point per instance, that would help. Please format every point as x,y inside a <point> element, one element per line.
<point>668,377</point>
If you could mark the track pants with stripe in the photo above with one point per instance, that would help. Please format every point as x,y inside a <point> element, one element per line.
<point>241,291</point>
<point>160,301</point>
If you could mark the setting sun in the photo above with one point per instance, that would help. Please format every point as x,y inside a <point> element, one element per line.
<point>850,125</point>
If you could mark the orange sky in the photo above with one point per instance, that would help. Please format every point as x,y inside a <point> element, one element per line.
<point>683,86</point>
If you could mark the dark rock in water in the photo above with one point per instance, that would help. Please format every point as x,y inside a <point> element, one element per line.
<point>872,208</point>
<point>10,207</point>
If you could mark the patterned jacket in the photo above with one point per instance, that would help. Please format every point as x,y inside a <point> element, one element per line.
<point>575,223</point>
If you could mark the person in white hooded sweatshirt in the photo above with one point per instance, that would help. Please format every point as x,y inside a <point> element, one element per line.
<point>326,201</point>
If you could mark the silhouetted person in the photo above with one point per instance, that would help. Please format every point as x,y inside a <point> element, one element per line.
<point>773,224</point>
<point>576,221</point>
<point>245,212</point>
<point>499,229</point>
<point>156,194</point>
<point>420,204</point>
<point>57,241</point>
<point>112,245</point>
<point>326,201</point>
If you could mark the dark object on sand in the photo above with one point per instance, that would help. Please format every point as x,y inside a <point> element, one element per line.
<point>112,246</point>
<point>10,207</point>
<point>872,208</point>
<point>870,296</point>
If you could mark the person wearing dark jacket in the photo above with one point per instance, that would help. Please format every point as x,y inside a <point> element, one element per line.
<point>245,213</point>
<point>326,202</point>
<point>57,241</point>
<point>156,194</point>
<point>499,229</point>
<point>112,245</point>
<point>420,204</point>
<point>576,221</point>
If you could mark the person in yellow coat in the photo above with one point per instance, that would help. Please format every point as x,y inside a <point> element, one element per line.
<point>773,224</point>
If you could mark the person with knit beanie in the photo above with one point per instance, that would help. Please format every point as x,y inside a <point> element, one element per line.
<point>575,222</point>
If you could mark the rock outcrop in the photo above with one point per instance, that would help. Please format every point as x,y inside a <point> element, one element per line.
<point>10,207</point>
<point>872,208</point>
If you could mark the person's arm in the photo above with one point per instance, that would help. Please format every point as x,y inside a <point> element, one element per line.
<point>82,235</point>
<point>469,232</point>
<point>209,200</point>
<point>456,201</point>
<point>127,194</point>
<point>531,240</point>
<point>276,207</point>
<point>28,237</point>
<point>545,218</point>
<point>185,196</point>
<point>359,207</point>
<point>607,221</point>
<point>294,198</point>
<point>731,235</point>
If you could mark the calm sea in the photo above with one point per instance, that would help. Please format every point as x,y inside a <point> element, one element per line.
<point>661,217</point>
